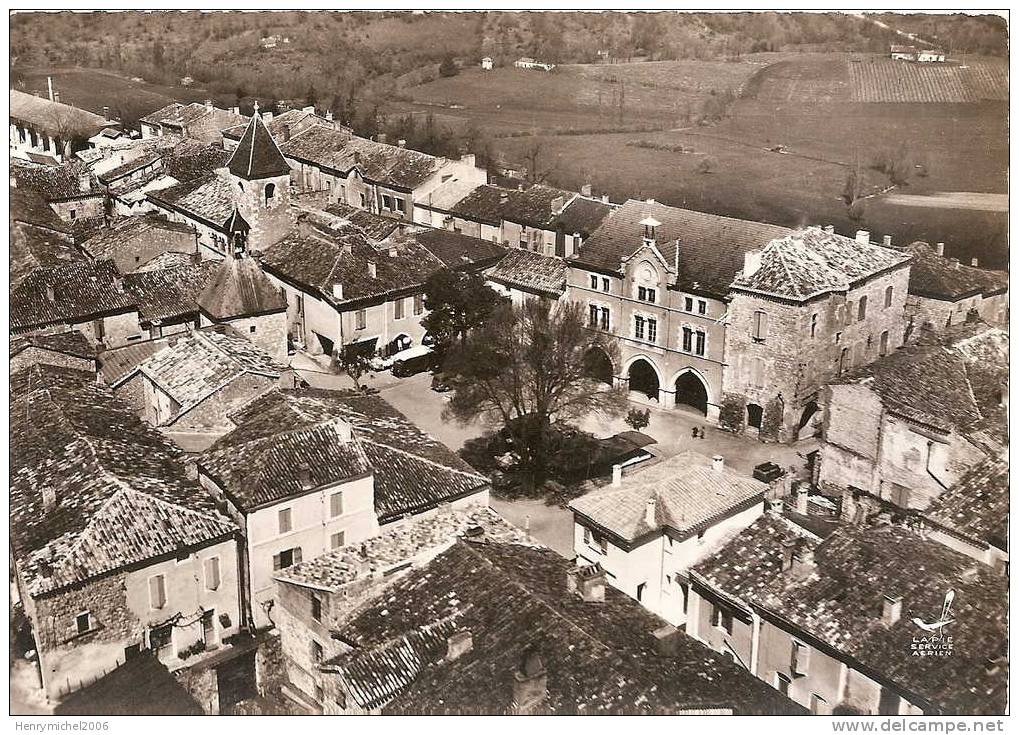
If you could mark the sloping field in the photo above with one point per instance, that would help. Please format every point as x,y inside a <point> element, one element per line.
<point>888,80</point>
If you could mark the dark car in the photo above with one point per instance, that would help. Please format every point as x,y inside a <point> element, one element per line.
<point>442,383</point>
<point>768,472</point>
<point>413,365</point>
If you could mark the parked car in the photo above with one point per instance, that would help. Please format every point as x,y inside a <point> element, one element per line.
<point>442,383</point>
<point>413,361</point>
<point>768,472</point>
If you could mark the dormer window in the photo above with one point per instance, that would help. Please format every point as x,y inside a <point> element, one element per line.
<point>649,295</point>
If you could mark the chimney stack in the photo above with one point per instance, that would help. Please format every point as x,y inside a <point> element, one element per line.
<point>402,143</point>
<point>788,551</point>
<point>802,563</point>
<point>975,262</point>
<point>954,262</point>
<point>338,291</point>
<point>802,491</point>
<point>372,270</point>
<point>51,294</point>
<point>863,237</point>
<point>286,133</point>
<point>530,685</point>
<point>617,475</point>
<point>587,581</point>
<point>557,204</point>
<point>236,110</point>
<point>106,112</point>
<point>940,248</point>
<point>604,198</point>
<point>84,183</point>
<point>458,644</point>
<point>887,241</point>
<point>667,639</point>
<point>304,475</point>
<point>650,512</point>
<point>56,96</point>
<point>585,190</point>
<point>329,115</point>
<point>829,229</point>
<point>891,610</point>
<point>503,197</point>
<point>49,85</point>
<point>208,105</point>
<point>774,506</point>
<point>49,497</point>
<point>718,463</point>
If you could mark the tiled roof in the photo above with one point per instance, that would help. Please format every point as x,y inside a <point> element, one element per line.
<point>977,505</point>
<point>209,198</point>
<point>811,262</point>
<point>711,247</point>
<point>583,215</point>
<point>130,229</point>
<point>321,254</point>
<point>416,539</point>
<point>141,686</point>
<point>375,227</point>
<point>28,206</point>
<point>70,180</point>
<point>380,163</point>
<point>81,291</point>
<point>147,158</point>
<point>117,363</point>
<point>531,271</point>
<point>840,603</point>
<point>121,494</point>
<point>444,196</point>
<point>185,158</point>
<point>937,277</point>
<point>166,261</point>
<point>238,287</point>
<point>180,115</point>
<point>600,658</point>
<point>946,385</point>
<point>171,292</point>
<point>55,118</point>
<point>688,495</point>
<point>193,367</point>
<point>260,460</point>
<point>533,206</point>
<point>296,120</point>
<point>454,249</point>
<point>257,156</point>
<point>69,343</point>
<point>32,248</point>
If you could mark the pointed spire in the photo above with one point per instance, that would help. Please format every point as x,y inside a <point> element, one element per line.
<point>257,156</point>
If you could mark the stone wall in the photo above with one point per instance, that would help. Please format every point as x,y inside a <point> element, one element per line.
<point>267,331</point>
<point>212,413</point>
<point>134,252</point>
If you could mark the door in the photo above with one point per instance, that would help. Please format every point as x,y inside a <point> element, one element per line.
<point>209,628</point>
<point>236,681</point>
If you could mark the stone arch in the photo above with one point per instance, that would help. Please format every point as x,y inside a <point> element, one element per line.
<point>692,390</point>
<point>270,193</point>
<point>598,365</point>
<point>643,376</point>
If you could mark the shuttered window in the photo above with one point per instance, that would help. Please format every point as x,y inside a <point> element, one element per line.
<point>157,592</point>
<point>760,327</point>
<point>336,505</point>
<point>212,573</point>
<point>398,309</point>
<point>336,540</point>
<point>285,520</point>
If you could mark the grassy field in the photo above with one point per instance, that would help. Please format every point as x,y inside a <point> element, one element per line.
<point>582,96</point>
<point>93,89</point>
<point>806,104</point>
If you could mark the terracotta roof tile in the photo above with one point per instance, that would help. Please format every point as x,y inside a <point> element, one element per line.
<point>238,287</point>
<point>80,291</point>
<point>530,271</point>
<point>534,206</point>
<point>121,494</point>
<point>711,248</point>
<point>937,277</point>
<point>69,343</point>
<point>977,505</point>
<point>55,118</point>
<point>840,603</point>
<point>257,156</point>
<point>169,293</point>
<point>209,198</point>
<point>599,658</point>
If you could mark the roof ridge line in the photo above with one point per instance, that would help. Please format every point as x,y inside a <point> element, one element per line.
<point>422,459</point>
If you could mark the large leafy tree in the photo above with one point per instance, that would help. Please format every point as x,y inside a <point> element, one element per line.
<point>526,370</point>
<point>457,303</point>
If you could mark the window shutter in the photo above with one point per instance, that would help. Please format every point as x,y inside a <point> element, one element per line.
<point>336,504</point>
<point>157,592</point>
<point>276,563</point>
<point>297,555</point>
<point>212,573</point>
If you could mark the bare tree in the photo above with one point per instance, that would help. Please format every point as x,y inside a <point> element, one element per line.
<point>536,158</point>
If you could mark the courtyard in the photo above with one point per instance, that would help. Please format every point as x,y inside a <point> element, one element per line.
<point>553,525</point>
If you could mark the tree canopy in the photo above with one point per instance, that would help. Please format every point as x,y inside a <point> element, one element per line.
<point>525,370</point>
<point>457,303</point>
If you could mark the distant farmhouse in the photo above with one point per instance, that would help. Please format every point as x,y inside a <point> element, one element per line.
<point>529,63</point>
<point>486,63</point>
<point>912,53</point>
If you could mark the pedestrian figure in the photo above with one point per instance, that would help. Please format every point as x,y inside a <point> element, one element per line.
<point>695,432</point>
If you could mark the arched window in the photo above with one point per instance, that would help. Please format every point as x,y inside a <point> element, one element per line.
<point>270,192</point>
<point>888,296</point>
<point>884,344</point>
<point>862,309</point>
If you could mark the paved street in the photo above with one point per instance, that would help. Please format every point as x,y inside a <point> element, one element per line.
<point>551,525</point>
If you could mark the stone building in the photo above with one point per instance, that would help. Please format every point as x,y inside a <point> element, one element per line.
<point>806,308</point>
<point>493,626</point>
<point>899,432</point>
<point>523,274</point>
<point>830,622</point>
<point>647,529</point>
<point>134,242</point>
<point>307,471</point>
<point>657,279</point>
<point>203,122</point>
<point>347,289</point>
<point>317,596</point>
<point>196,381</point>
<point>87,296</point>
<point>63,349</point>
<point>50,128</point>
<point>71,190</point>
<point>114,549</point>
<point>944,293</point>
